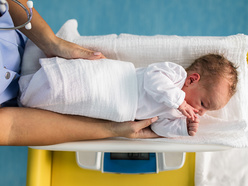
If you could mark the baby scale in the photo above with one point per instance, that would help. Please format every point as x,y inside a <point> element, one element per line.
<point>130,163</point>
<point>130,157</point>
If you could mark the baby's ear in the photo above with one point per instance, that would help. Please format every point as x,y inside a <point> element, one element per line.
<point>192,78</point>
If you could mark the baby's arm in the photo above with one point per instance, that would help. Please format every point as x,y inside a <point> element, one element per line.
<point>174,128</point>
<point>170,127</point>
<point>163,82</point>
<point>188,111</point>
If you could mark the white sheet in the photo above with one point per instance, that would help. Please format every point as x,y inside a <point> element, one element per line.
<point>224,168</point>
<point>225,127</point>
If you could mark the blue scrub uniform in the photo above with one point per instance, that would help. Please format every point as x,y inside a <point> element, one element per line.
<point>12,43</point>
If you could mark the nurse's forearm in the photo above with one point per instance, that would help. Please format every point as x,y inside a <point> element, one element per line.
<point>41,33</point>
<point>43,36</point>
<point>25,126</point>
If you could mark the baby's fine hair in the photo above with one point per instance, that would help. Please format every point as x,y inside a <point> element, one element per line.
<point>213,67</point>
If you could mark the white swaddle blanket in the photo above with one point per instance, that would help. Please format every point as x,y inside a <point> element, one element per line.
<point>227,126</point>
<point>105,88</point>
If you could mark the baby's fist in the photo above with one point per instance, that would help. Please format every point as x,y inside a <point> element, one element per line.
<point>192,126</point>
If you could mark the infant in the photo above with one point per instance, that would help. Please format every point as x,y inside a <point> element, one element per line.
<point>209,84</point>
<point>166,90</point>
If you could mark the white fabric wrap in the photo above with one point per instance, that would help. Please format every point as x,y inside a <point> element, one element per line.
<point>98,88</point>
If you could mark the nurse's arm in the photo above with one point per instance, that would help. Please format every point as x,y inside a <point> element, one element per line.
<point>27,126</point>
<point>43,36</point>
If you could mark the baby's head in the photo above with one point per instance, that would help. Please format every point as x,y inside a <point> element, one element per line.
<point>211,82</point>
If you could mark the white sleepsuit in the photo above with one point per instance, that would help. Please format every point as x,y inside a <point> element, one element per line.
<point>160,94</point>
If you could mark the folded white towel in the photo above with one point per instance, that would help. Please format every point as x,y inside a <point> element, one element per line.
<point>81,87</point>
<point>144,50</point>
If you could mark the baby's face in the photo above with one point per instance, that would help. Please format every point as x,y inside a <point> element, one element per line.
<point>205,98</point>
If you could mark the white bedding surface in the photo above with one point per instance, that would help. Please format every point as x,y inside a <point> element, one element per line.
<point>224,127</point>
<point>224,168</point>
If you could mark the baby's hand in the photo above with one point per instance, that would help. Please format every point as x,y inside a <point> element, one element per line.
<point>188,111</point>
<point>192,126</point>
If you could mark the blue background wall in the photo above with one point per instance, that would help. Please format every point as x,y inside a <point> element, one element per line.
<point>149,17</point>
<point>143,17</point>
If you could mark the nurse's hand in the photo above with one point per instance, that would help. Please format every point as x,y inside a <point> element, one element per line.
<point>134,129</point>
<point>68,50</point>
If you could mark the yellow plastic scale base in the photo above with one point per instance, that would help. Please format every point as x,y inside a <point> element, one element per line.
<point>57,168</point>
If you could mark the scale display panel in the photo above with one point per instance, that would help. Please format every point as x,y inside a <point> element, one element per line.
<point>130,163</point>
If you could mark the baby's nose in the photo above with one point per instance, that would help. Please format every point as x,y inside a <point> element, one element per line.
<point>202,112</point>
